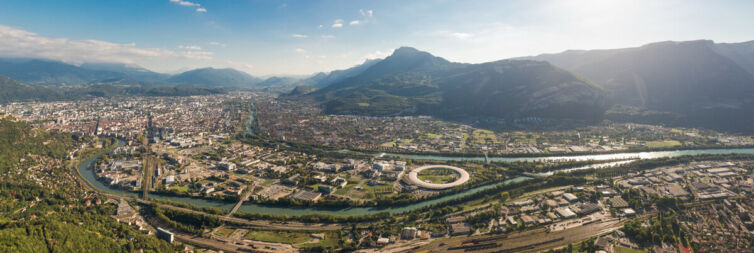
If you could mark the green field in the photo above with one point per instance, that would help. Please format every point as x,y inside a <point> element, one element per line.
<point>663,144</point>
<point>438,179</point>
<point>279,236</point>
<point>388,144</point>
<point>379,189</point>
<point>432,136</point>
<point>481,136</point>
<point>268,182</point>
<point>345,190</point>
<point>619,249</point>
<point>182,188</point>
<point>332,240</point>
<point>438,176</point>
<point>225,231</point>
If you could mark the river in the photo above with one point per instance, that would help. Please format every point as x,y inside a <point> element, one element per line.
<point>250,122</point>
<point>601,157</point>
<point>86,169</point>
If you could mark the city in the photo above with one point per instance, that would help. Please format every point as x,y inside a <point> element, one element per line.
<point>347,126</point>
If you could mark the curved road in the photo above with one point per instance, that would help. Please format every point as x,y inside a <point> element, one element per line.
<point>413,177</point>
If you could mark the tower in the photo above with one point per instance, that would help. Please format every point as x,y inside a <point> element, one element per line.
<point>150,129</point>
<point>95,131</point>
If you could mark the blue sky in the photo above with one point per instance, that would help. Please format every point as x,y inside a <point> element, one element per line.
<point>303,37</point>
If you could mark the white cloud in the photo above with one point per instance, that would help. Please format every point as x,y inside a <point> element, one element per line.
<point>20,43</point>
<point>242,66</point>
<point>378,54</point>
<point>367,13</point>
<point>461,36</point>
<point>218,44</point>
<point>327,36</point>
<point>338,23</point>
<point>300,50</point>
<point>320,26</point>
<point>190,4</point>
<point>185,3</point>
<point>190,47</point>
<point>366,16</point>
<point>299,36</point>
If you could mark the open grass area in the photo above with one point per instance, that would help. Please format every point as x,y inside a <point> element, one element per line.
<point>279,236</point>
<point>332,240</point>
<point>180,188</point>
<point>439,179</point>
<point>481,136</point>
<point>438,175</point>
<point>378,189</point>
<point>388,144</point>
<point>663,144</point>
<point>268,182</point>
<point>313,187</point>
<point>345,190</point>
<point>225,231</point>
<point>433,136</point>
<point>619,249</point>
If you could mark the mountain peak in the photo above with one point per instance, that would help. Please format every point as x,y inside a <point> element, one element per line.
<point>406,50</point>
<point>410,52</point>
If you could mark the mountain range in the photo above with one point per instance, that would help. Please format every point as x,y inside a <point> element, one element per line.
<point>15,91</point>
<point>55,73</point>
<point>415,82</point>
<point>690,83</point>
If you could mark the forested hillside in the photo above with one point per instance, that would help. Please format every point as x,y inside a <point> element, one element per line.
<point>43,208</point>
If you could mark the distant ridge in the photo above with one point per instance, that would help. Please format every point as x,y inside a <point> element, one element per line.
<point>415,82</point>
<point>212,77</point>
<point>702,83</point>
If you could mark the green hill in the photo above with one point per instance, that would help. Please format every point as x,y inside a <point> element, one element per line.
<point>14,91</point>
<point>43,208</point>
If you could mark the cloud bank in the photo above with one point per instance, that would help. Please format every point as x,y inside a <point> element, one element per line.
<point>23,44</point>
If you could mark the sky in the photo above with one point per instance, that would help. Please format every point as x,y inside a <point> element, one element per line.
<point>278,37</point>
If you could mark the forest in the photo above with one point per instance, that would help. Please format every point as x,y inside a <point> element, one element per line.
<point>44,209</point>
